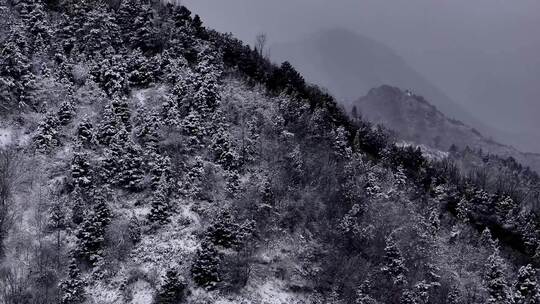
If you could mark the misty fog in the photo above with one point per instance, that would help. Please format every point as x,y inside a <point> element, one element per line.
<point>484,54</point>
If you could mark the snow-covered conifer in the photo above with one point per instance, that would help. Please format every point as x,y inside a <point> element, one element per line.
<point>72,287</point>
<point>394,262</point>
<point>527,290</point>
<point>172,290</point>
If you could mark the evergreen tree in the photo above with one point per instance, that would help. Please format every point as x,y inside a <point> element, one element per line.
<point>66,112</point>
<point>223,231</point>
<point>91,236</point>
<point>112,76</point>
<point>36,21</point>
<point>158,166</point>
<point>16,78</point>
<point>108,127</point>
<point>72,288</point>
<point>161,208</point>
<point>267,193</point>
<point>205,268</point>
<point>487,240</point>
<point>81,172</point>
<point>144,32</point>
<point>47,134</point>
<point>78,207</point>
<point>232,186</point>
<point>527,291</point>
<point>147,129</point>
<point>99,31</point>
<point>207,83</point>
<point>120,108</point>
<point>497,287</point>
<point>224,152</point>
<point>85,132</point>
<point>173,289</point>
<point>123,163</point>
<point>134,229</point>
<point>419,295</point>
<point>454,296</point>
<point>296,161</point>
<point>141,71</point>
<point>362,296</point>
<point>394,262</point>
<point>193,128</point>
<point>341,143</point>
<point>193,183</point>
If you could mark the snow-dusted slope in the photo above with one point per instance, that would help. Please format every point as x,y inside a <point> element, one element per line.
<point>414,119</point>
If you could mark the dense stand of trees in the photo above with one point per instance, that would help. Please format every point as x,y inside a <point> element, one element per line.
<point>375,222</point>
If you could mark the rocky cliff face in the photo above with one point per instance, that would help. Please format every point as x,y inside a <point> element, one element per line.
<point>415,119</point>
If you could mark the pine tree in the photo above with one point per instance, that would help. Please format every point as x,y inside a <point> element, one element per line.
<point>120,108</point>
<point>161,207</point>
<point>36,21</point>
<point>487,240</point>
<point>224,152</point>
<point>99,31</point>
<point>527,291</point>
<point>205,268</point>
<point>16,78</point>
<point>85,132</point>
<point>72,288</point>
<point>267,193</point>
<point>131,167</point>
<point>125,16</point>
<point>497,287</point>
<point>108,127</point>
<point>173,289</point>
<point>66,112</point>
<point>78,206</point>
<point>223,231</point>
<point>158,166</point>
<point>454,296</point>
<point>341,143</point>
<point>170,113</point>
<point>111,75</point>
<point>47,134</point>
<point>394,262</point>
<point>194,179</point>
<point>232,185</point>
<point>362,296</point>
<point>147,129</point>
<point>141,71</point>
<point>193,128</point>
<point>144,33</point>
<point>91,236</point>
<point>134,229</point>
<point>296,160</point>
<point>419,295</point>
<point>206,84</point>
<point>81,172</point>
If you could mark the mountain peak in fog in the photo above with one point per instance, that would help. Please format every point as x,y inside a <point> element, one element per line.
<point>349,64</point>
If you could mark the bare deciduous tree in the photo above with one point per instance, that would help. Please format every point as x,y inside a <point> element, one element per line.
<point>8,169</point>
<point>260,43</point>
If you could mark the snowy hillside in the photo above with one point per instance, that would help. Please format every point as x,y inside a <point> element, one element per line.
<point>148,159</point>
<point>415,119</point>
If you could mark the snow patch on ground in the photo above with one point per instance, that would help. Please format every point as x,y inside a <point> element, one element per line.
<point>428,152</point>
<point>5,137</point>
<point>142,293</point>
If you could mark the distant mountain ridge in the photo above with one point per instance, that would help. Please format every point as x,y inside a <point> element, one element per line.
<point>349,64</point>
<point>415,119</point>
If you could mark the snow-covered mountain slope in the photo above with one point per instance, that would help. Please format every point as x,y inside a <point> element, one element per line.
<point>152,160</point>
<point>415,119</point>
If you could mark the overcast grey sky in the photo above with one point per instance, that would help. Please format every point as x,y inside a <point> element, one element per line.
<point>484,54</point>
